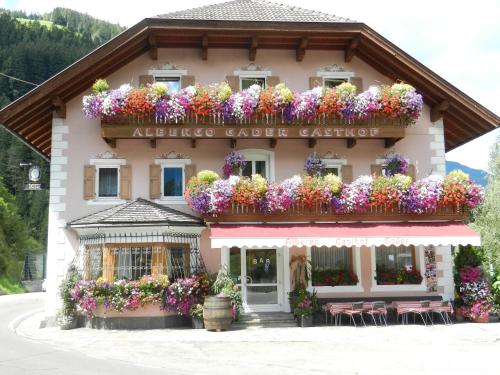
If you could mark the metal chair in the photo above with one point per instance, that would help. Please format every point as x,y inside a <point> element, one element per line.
<point>356,310</point>
<point>379,309</point>
<point>444,311</point>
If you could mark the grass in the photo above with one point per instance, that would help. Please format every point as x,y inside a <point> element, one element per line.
<point>9,286</point>
<point>48,24</point>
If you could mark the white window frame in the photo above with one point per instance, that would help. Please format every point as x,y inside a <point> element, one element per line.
<point>249,74</point>
<point>419,264</point>
<point>325,75</point>
<point>107,163</point>
<point>168,73</point>
<point>172,163</point>
<point>335,163</point>
<point>256,154</point>
<point>356,268</point>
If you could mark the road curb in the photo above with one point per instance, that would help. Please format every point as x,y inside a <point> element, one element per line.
<point>14,323</point>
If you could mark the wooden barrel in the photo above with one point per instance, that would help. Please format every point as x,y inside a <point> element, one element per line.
<point>217,313</point>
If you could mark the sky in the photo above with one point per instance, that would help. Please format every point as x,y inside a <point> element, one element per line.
<point>458,39</point>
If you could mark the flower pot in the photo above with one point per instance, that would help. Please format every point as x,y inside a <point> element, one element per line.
<point>482,319</point>
<point>305,321</point>
<point>217,313</point>
<point>197,322</point>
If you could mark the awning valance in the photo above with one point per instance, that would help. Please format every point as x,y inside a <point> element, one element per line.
<point>354,234</point>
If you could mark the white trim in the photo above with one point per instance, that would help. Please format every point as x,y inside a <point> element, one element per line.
<point>172,163</point>
<point>256,154</point>
<point>108,162</point>
<point>334,75</point>
<point>167,72</point>
<point>105,201</point>
<point>286,278</point>
<point>254,242</point>
<point>419,263</point>
<point>340,288</point>
<point>143,230</point>
<point>253,73</point>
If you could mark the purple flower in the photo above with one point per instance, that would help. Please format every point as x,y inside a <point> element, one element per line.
<point>314,166</point>
<point>396,164</point>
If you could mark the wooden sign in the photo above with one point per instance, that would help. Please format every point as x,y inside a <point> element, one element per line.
<point>250,131</point>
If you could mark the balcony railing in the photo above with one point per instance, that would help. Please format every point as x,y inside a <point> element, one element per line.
<point>321,213</point>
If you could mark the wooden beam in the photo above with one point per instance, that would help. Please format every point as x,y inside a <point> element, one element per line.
<point>152,142</point>
<point>253,49</point>
<point>232,143</point>
<point>59,107</point>
<point>204,47</point>
<point>273,142</point>
<point>153,49</point>
<point>351,49</point>
<point>439,109</point>
<point>390,142</point>
<point>351,142</point>
<point>111,142</point>
<point>311,142</point>
<point>193,142</point>
<point>301,49</point>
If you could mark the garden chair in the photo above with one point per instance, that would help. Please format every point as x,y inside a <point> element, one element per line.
<point>423,311</point>
<point>444,310</point>
<point>379,309</point>
<point>356,310</point>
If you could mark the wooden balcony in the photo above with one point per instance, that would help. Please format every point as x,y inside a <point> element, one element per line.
<point>273,128</point>
<point>250,214</point>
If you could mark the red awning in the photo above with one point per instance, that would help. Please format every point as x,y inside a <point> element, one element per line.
<point>355,234</point>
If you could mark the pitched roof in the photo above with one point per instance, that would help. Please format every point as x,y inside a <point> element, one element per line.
<point>253,10</point>
<point>137,212</point>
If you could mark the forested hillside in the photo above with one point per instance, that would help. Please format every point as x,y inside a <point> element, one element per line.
<point>33,48</point>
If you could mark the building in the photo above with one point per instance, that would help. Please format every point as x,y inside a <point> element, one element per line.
<point>116,191</point>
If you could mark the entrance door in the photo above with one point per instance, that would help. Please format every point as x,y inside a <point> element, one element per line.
<point>261,279</point>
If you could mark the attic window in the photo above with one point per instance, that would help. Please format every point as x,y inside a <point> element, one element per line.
<point>173,83</point>
<point>170,77</point>
<point>334,75</point>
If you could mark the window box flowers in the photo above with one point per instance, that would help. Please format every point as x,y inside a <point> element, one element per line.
<point>333,277</point>
<point>211,197</point>
<point>216,103</point>
<point>403,276</point>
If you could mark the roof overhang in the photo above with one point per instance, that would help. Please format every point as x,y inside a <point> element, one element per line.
<point>364,234</point>
<point>30,116</point>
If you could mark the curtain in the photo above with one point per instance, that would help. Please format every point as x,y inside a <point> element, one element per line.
<point>108,182</point>
<point>393,258</point>
<point>124,270</point>
<point>337,258</point>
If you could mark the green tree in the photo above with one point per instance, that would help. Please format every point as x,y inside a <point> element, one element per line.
<point>487,216</point>
<point>15,239</point>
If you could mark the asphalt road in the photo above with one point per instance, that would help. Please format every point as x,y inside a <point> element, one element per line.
<point>22,356</point>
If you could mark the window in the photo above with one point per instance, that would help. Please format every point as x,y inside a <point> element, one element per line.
<point>333,82</point>
<point>173,177</point>
<point>394,258</point>
<point>258,162</point>
<point>133,262</point>
<point>107,182</point>
<point>173,83</point>
<point>332,266</point>
<point>246,82</point>
<point>173,185</point>
<point>179,262</point>
<point>334,166</point>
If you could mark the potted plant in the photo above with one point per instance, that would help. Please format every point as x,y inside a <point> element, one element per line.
<point>224,306</point>
<point>196,313</point>
<point>67,317</point>
<point>305,305</point>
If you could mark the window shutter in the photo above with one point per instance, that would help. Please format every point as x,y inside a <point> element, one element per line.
<point>358,82</point>
<point>154,181</point>
<point>145,80</point>
<point>233,82</point>
<point>108,264</point>
<point>412,172</point>
<point>189,171</point>
<point>126,182</point>
<point>376,170</point>
<point>315,82</point>
<point>347,174</point>
<point>187,81</point>
<point>273,81</point>
<point>89,182</point>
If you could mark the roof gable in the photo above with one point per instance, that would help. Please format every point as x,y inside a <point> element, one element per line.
<point>253,10</point>
<point>138,212</point>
